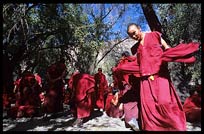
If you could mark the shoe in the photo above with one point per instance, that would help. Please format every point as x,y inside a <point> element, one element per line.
<point>77,123</point>
<point>134,124</point>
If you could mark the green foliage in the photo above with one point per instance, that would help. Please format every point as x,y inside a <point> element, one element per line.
<point>42,33</point>
<point>182,23</point>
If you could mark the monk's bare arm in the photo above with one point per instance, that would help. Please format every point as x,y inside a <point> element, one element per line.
<point>164,44</point>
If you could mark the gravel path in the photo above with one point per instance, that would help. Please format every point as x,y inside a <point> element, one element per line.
<point>62,122</point>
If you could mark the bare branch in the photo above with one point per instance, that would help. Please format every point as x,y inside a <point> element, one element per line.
<point>107,13</point>
<point>111,49</point>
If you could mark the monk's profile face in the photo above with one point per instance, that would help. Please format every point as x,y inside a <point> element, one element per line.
<point>134,32</point>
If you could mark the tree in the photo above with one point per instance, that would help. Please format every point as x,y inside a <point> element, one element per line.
<point>36,35</point>
<point>153,20</point>
<point>176,20</point>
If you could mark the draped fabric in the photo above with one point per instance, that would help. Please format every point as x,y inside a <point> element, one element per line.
<point>82,86</point>
<point>38,79</point>
<point>27,97</point>
<point>6,101</point>
<point>100,86</point>
<point>111,109</point>
<point>192,108</point>
<point>54,96</point>
<point>124,74</point>
<point>161,108</point>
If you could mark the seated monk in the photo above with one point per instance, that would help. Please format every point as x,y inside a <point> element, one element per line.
<point>112,107</point>
<point>28,100</point>
<point>192,106</point>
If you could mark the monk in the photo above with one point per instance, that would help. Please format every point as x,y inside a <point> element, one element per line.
<point>161,108</point>
<point>82,88</point>
<point>129,89</point>
<point>100,86</point>
<point>28,97</point>
<point>192,106</point>
<point>54,94</point>
<point>111,106</point>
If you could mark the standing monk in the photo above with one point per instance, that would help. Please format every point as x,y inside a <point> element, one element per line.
<point>161,108</point>
<point>54,94</point>
<point>101,85</point>
<point>82,86</point>
<point>129,89</point>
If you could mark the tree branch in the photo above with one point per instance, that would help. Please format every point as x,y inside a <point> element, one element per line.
<point>111,49</point>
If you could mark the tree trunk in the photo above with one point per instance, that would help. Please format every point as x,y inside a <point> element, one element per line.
<point>153,20</point>
<point>151,17</point>
<point>7,75</point>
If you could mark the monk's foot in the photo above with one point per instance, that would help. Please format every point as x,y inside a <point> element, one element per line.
<point>78,123</point>
<point>135,128</point>
<point>134,124</point>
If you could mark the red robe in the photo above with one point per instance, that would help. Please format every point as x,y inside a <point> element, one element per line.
<point>111,109</point>
<point>82,86</point>
<point>125,73</point>
<point>6,101</point>
<point>28,100</point>
<point>100,86</point>
<point>161,108</point>
<point>38,78</point>
<point>54,97</point>
<point>7,97</point>
<point>126,67</point>
<point>192,108</point>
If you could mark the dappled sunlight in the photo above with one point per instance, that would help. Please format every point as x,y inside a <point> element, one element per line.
<point>98,121</point>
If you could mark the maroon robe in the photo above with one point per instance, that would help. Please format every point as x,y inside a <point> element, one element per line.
<point>82,86</point>
<point>131,99</point>
<point>38,79</point>
<point>192,108</point>
<point>100,86</point>
<point>161,108</point>
<point>28,100</point>
<point>125,73</point>
<point>111,109</point>
<point>6,101</point>
<point>54,96</point>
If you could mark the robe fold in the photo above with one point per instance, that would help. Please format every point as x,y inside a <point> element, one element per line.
<point>161,109</point>
<point>82,86</point>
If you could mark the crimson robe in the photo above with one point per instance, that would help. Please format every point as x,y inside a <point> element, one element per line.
<point>82,86</point>
<point>54,96</point>
<point>161,108</point>
<point>38,79</point>
<point>28,100</point>
<point>6,101</point>
<point>192,108</point>
<point>111,109</point>
<point>125,73</point>
<point>100,86</point>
